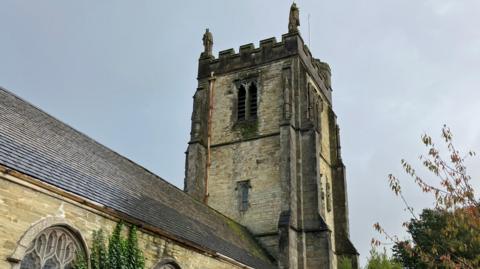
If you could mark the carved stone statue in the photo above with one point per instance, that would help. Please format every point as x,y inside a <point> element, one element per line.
<point>207,43</point>
<point>294,19</point>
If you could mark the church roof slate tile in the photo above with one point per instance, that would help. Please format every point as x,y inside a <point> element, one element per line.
<point>36,144</point>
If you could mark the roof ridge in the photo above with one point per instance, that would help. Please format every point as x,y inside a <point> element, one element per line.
<point>110,157</point>
<point>109,150</point>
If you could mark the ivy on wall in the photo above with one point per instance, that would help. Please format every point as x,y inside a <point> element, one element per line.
<point>117,249</point>
<point>122,253</point>
<point>80,262</point>
<point>133,254</point>
<point>99,258</point>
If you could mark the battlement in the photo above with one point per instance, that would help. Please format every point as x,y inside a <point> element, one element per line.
<point>269,50</point>
<point>249,49</point>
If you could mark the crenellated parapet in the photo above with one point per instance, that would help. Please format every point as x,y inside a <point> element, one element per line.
<point>269,50</point>
<point>325,72</point>
<point>248,56</point>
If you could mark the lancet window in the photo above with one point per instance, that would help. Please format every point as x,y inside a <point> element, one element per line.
<point>247,101</point>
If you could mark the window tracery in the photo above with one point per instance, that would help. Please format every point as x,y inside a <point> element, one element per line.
<point>247,101</point>
<point>53,248</point>
<point>168,263</point>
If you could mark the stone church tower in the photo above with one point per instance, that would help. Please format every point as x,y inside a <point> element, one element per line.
<point>265,149</point>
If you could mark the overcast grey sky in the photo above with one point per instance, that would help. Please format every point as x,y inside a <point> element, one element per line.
<point>124,72</point>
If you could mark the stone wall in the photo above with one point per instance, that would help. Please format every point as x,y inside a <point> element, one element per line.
<point>256,161</point>
<point>254,157</point>
<point>288,154</point>
<point>225,127</point>
<point>248,151</point>
<point>22,205</point>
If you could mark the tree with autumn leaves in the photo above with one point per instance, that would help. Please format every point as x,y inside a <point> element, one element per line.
<point>448,235</point>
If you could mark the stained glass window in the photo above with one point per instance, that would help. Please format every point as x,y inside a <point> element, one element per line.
<point>53,248</point>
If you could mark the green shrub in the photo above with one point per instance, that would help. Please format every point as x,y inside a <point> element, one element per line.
<point>381,261</point>
<point>344,263</point>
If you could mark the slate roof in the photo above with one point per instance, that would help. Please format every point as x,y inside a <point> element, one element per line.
<point>36,144</point>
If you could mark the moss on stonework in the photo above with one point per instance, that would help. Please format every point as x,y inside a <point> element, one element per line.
<point>247,129</point>
<point>245,235</point>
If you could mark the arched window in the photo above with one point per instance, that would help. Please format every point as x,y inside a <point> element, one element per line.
<point>53,248</point>
<point>252,101</point>
<point>167,263</point>
<point>241,106</point>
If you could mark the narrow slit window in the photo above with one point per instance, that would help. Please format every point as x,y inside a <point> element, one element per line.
<point>244,198</point>
<point>241,103</point>
<point>329,197</point>
<point>243,193</point>
<point>309,105</point>
<point>252,96</point>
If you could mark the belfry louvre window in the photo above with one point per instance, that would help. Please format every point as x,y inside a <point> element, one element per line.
<point>247,104</point>
<point>242,97</point>
<point>252,101</point>
<point>243,192</point>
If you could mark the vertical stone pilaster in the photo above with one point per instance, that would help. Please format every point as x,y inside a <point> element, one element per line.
<point>196,154</point>
<point>286,154</point>
<point>194,183</point>
<point>284,240</point>
<point>343,246</point>
<point>319,250</point>
<point>287,172</point>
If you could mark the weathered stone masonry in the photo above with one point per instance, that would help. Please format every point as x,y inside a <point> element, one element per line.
<point>24,206</point>
<point>265,184</point>
<point>290,153</point>
<point>54,178</point>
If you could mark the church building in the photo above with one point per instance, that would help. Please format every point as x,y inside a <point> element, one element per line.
<point>265,184</point>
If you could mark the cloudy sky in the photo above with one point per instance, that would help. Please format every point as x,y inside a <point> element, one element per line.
<point>124,72</point>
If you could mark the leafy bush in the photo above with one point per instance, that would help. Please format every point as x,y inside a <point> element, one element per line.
<point>381,261</point>
<point>344,263</point>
